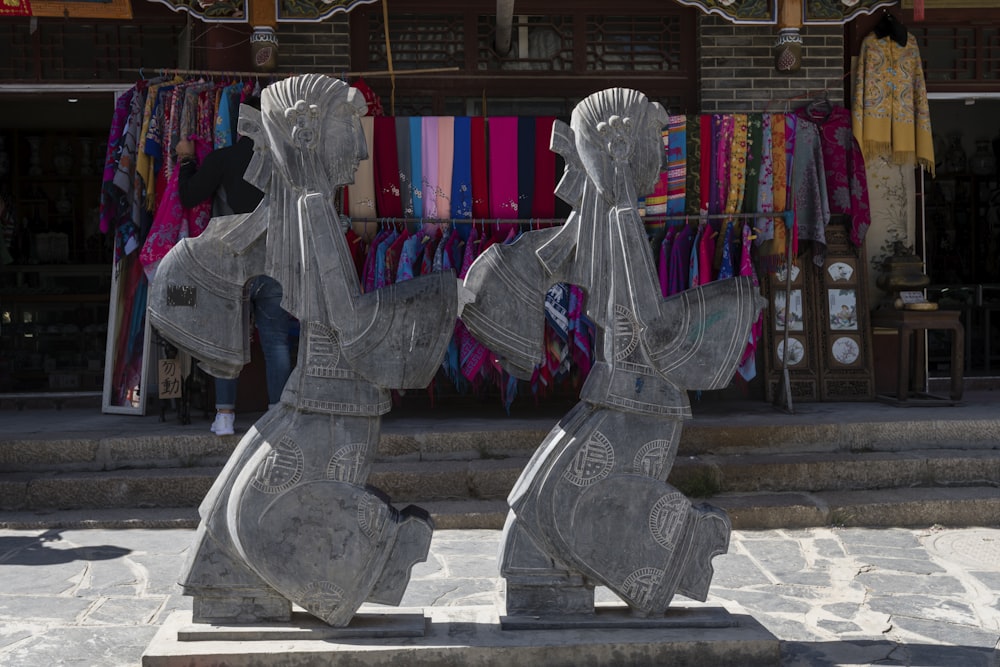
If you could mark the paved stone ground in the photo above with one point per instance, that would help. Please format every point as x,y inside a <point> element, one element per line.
<point>832,596</point>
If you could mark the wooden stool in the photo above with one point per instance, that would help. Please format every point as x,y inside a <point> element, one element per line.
<point>906,322</point>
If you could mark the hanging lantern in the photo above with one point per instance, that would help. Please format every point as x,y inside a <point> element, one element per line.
<point>788,50</point>
<point>264,49</point>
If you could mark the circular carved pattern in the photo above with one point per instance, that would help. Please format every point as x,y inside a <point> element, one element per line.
<point>321,598</point>
<point>666,519</point>
<point>372,515</point>
<point>845,350</point>
<point>281,468</point>
<point>346,463</point>
<point>652,459</point>
<point>626,332</point>
<point>324,347</point>
<point>593,461</point>
<point>639,585</point>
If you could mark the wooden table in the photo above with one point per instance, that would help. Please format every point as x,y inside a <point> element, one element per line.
<point>907,322</point>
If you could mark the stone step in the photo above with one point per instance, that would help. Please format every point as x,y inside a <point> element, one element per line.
<point>492,478</point>
<point>431,440</point>
<point>910,507</point>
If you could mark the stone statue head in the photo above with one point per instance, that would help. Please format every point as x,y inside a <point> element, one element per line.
<point>618,140</point>
<point>309,128</point>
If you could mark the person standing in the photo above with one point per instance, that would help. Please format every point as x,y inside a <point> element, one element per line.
<point>220,177</point>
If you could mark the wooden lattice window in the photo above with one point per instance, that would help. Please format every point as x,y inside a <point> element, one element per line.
<point>92,51</point>
<point>560,51</point>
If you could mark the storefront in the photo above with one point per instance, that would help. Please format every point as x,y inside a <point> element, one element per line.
<point>425,59</point>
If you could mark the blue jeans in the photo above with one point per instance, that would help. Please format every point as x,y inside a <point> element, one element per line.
<point>272,327</point>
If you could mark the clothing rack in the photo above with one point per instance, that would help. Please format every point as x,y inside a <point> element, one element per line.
<point>787,216</point>
<point>783,399</point>
<point>163,71</point>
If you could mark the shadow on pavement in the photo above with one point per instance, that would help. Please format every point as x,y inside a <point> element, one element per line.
<point>23,550</point>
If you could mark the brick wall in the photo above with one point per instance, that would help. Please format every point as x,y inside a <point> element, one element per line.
<point>736,65</point>
<point>315,47</point>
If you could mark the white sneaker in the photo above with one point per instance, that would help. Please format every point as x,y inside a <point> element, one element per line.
<point>223,424</point>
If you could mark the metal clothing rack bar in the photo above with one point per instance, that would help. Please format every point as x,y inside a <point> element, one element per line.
<point>162,71</point>
<point>786,215</point>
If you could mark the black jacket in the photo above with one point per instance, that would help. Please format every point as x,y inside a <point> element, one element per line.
<point>221,173</point>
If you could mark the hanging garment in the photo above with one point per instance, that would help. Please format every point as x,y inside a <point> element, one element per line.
<point>416,166</point>
<point>503,166</point>
<point>405,168</point>
<point>811,201</point>
<point>543,204</point>
<point>386,168</point>
<point>446,159</point>
<point>525,167</point>
<point>844,167</point>
<point>480,169</point>
<point>655,203</point>
<point>748,364</point>
<point>693,180</point>
<point>429,165</point>
<point>891,116</point>
<point>676,164</point>
<point>361,194</point>
<point>461,173</point>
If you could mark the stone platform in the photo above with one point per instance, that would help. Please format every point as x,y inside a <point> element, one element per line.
<point>472,635</point>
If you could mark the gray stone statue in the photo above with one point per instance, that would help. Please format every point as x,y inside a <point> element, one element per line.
<point>290,518</point>
<point>593,505</point>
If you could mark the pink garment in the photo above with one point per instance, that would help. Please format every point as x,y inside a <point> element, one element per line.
<point>446,157</point>
<point>748,363</point>
<point>171,223</point>
<point>429,165</point>
<point>706,255</point>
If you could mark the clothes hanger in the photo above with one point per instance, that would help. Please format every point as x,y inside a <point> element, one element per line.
<point>820,107</point>
<point>890,26</point>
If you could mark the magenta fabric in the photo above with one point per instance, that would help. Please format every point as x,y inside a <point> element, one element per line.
<point>503,166</point>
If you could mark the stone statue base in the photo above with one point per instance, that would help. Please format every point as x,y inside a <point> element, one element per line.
<point>472,636</point>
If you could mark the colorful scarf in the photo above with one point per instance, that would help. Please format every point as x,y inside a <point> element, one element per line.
<point>676,164</point>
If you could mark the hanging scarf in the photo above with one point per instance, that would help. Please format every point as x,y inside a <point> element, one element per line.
<point>525,167</point>
<point>416,166</point>
<point>655,203</point>
<point>387,174</point>
<point>676,164</point>
<point>544,202</point>
<point>361,195</point>
<point>846,179</point>
<point>693,185</point>
<point>503,167</point>
<point>480,169</point>
<point>405,168</point>
<point>461,174</point>
<point>445,165</point>
<point>429,165</point>
<point>706,162</point>
<point>890,109</point>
